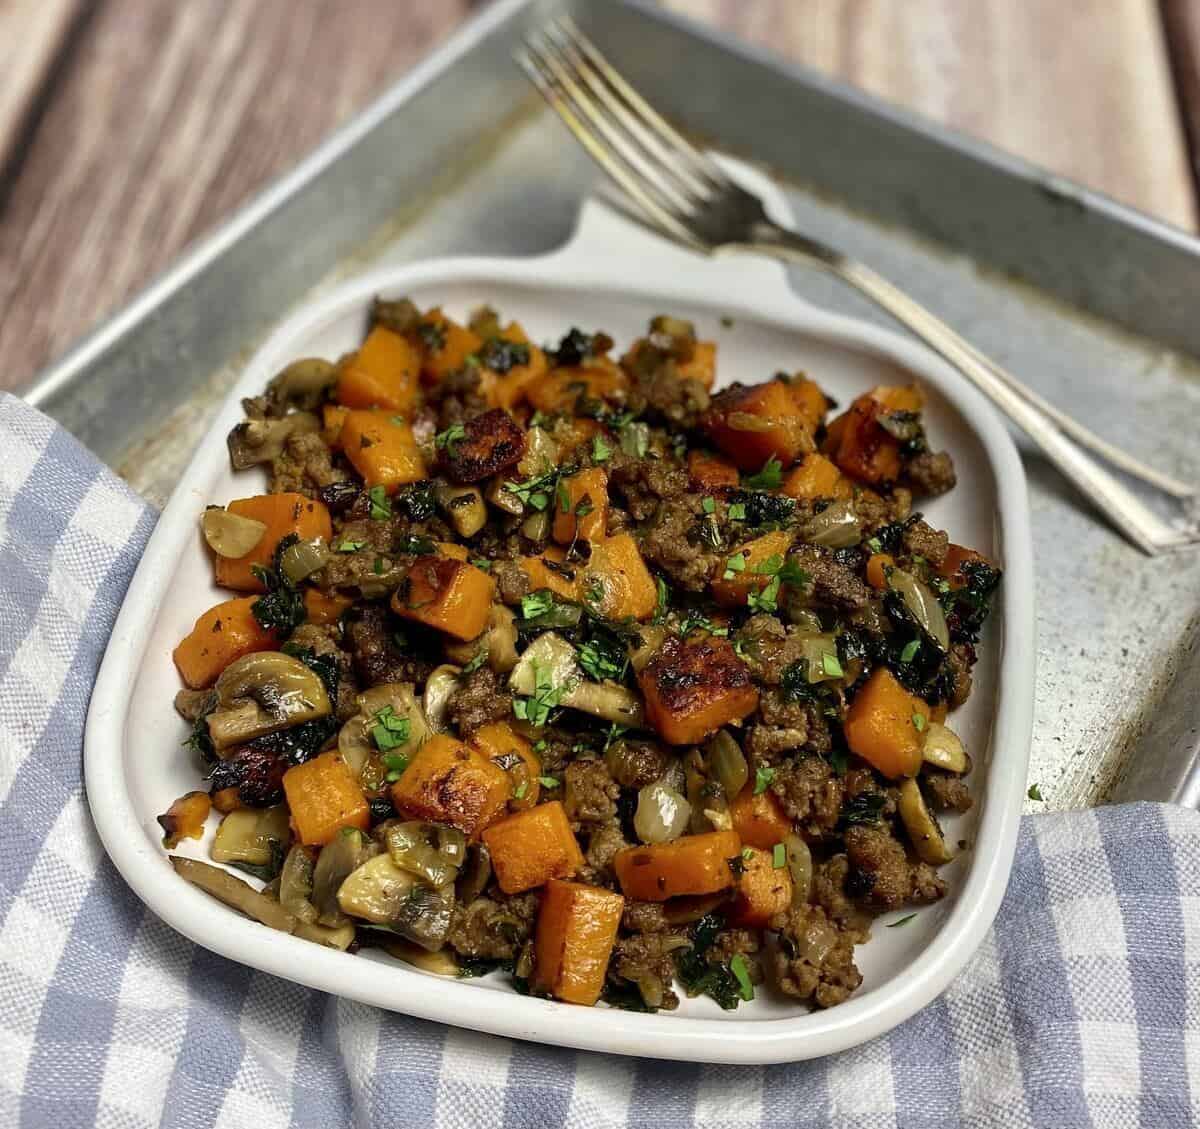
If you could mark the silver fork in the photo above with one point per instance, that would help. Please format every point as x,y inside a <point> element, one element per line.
<point>690,197</point>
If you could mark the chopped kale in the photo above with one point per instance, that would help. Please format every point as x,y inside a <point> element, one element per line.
<point>417,501</point>
<point>503,356</point>
<point>282,608</point>
<point>758,508</point>
<point>698,976</point>
<point>863,808</point>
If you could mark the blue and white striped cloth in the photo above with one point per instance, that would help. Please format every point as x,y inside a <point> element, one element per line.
<point>1081,1009</point>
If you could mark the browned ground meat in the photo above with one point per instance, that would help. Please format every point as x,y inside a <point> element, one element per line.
<point>769,648</point>
<point>479,699</point>
<point>881,874</point>
<point>660,392</point>
<point>815,958</point>
<point>784,727</point>
<point>829,892</point>
<point>930,473</point>
<point>603,843</point>
<point>493,928</point>
<point>305,466</point>
<point>511,581</point>
<point>920,539</point>
<point>456,398</point>
<point>810,793</point>
<point>961,659</point>
<point>947,792</point>
<point>645,959</point>
<point>590,794</point>
<point>831,583</point>
<point>644,917</point>
<point>673,543</point>
<point>874,510</point>
<point>645,482</point>
<point>635,762</point>
<point>370,638</point>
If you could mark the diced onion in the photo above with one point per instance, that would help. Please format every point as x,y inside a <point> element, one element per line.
<point>922,605</point>
<point>943,749</point>
<point>800,866</point>
<point>835,527</point>
<point>301,560</point>
<point>728,762</point>
<point>662,814</point>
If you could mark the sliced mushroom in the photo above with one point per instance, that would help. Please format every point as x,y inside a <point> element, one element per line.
<point>262,693</point>
<point>943,749</point>
<point>251,836</point>
<point>923,830</point>
<point>303,383</point>
<point>414,847</point>
<point>463,505</point>
<point>442,962</point>
<point>296,884</point>
<point>554,656</point>
<point>336,862</point>
<point>235,893</point>
<point>375,891</point>
<point>500,638</point>
<point>228,534</point>
<point>354,738</point>
<point>340,938</point>
<point>439,688</point>
<point>256,441</point>
<point>536,527</point>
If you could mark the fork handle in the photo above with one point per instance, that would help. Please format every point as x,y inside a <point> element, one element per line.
<point>1112,498</point>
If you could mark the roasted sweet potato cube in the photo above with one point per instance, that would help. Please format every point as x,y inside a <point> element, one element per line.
<point>451,595</point>
<point>711,472</point>
<point>576,930</point>
<point>282,514</point>
<point>382,450</point>
<point>763,890</point>
<point>617,581</point>
<point>598,378</point>
<point>501,743</point>
<point>550,570</point>
<point>530,847</point>
<point>750,568</point>
<point>322,608</point>
<point>581,506</point>
<point>694,687</point>
<point>324,797</point>
<point>859,443</point>
<point>449,782</point>
<point>754,423</point>
<point>759,818</point>
<point>445,345</point>
<point>332,418</point>
<point>814,478</point>
<point>382,374</point>
<point>693,864</point>
<point>885,725</point>
<point>487,445</point>
<point>222,634</point>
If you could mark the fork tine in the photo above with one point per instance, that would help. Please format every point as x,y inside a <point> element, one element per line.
<point>543,79</point>
<point>662,158</point>
<point>699,162</point>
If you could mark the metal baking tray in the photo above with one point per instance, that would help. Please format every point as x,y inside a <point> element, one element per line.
<point>1089,302</point>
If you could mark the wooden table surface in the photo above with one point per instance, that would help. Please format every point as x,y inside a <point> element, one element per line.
<point>130,127</point>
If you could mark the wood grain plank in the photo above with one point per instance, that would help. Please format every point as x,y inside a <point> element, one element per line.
<point>1081,87</point>
<point>170,116</point>
<point>32,32</point>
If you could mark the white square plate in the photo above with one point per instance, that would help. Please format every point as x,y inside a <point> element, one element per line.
<point>612,275</point>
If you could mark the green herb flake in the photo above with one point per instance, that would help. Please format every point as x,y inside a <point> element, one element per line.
<point>762,779</point>
<point>395,763</point>
<point>1035,793</point>
<point>768,478</point>
<point>742,974</point>
<point>663,602</point>
<point>910,650</point>
<point>918,720</point>
<point>601,451</point>
<point>477,661</point>
<point>874,544</point>
<point>390,731</point>
<point>398,421</point>
<point>708,505</point>
<point>379,567</point>
<point>737,512</point>
<point>747,853</point>
<point>831,665</point>
<point>536,709</point>
<point>381,506</point>
<point>536,603</point>
<point>564,499</point>
<point>449,439</point>
<point>350,546</point>
<point>482,564</point>
<point>520,790</point>
<point>539,746</point>
<point>548,782</point>
<point>736,563</point>
<point>901,921</point>
<point>779,856</point>
<point>600,661</point>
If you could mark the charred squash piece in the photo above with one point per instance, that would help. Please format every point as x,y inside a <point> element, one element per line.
<point>754,423</point>
<point>711,472</point>
<point>487,445</point>
<point>449,782</point>
<point>451,595</point>
<point>859,443</point>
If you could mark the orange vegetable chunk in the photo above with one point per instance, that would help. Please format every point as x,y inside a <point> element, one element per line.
<point>324,797</point>
<point>332,418</point>
<point>881,728</point>
<point>506,390</point>
<point>382,374</point>
<point>587,488</point>
<point>702,365</point>
<point>451,595</point>
<point>711,472</point>
<point>185,818</point>
<point>763,890</point>
<point>446,345</point>
<point>550,570</point>
<point>860,445</point>
<point>815,477</point>
<point>693,864</point>
<point>498,741</point>
<point>732,593</point>
<point>384,452</point>
<point>877,566</point>
<point>693,688</point>
<point>598,378</point>
<point>449,782</point>
<point>323,609</point>
<point>759,820</point>
<point>951,568</point>
<point>619,576</point>
<point>221,635</point>
<point>810,401</point>
<point>576,930</point>
<point>754,423</point>
<point>282,514</point>
<point>530,847</point>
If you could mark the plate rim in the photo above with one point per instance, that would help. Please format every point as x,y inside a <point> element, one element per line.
<point>734,1041</point>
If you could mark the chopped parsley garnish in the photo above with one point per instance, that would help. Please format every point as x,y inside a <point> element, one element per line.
<point>1035,793</point>
<point>548,781</point>
<point>381,506</point>
<point>762,779</point>
<point>533,492</point>
<point>537,603</point>
<point>379,566</point>
<point>910,650</point>
<point>603,658</point>
<point>708,505</point>
<point>536,709</point>
<point>778,856</point>
<point>696,621</point>
<point>349,546</point>
<point>918,720</point>
<point>742,974</point>
<point>564,498</point>
<point>601,450</point>
<point>901,921</point>
<point>449,439</point>
<point>520,790</point>
<point>831,666</point>
<point>390,731</point>
<point>479,659</point>
<point>482,563</point>
<point>663,602</point>
<point>737,511</point>
<point>502,356</point>
<point>634,438</point>
<point>395,763</point>
<point>747,853</point>
<point>736,563</point>
<point>768,478</point>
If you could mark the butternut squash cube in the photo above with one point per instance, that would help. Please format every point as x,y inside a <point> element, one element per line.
<point>530,847</point>
<point>692,688</point>
<point>382,450</point>
<point>576,931</point>
<point>282,514</point>
<point>324,797</point>
<point>382,374</point>
<point>885,725</point>
<point>692,864</point>
<point>451,595</point>
<point>449,782</point>
<point>581,506</point>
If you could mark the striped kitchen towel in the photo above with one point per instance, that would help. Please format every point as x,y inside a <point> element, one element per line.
<point>1082,1008</point>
